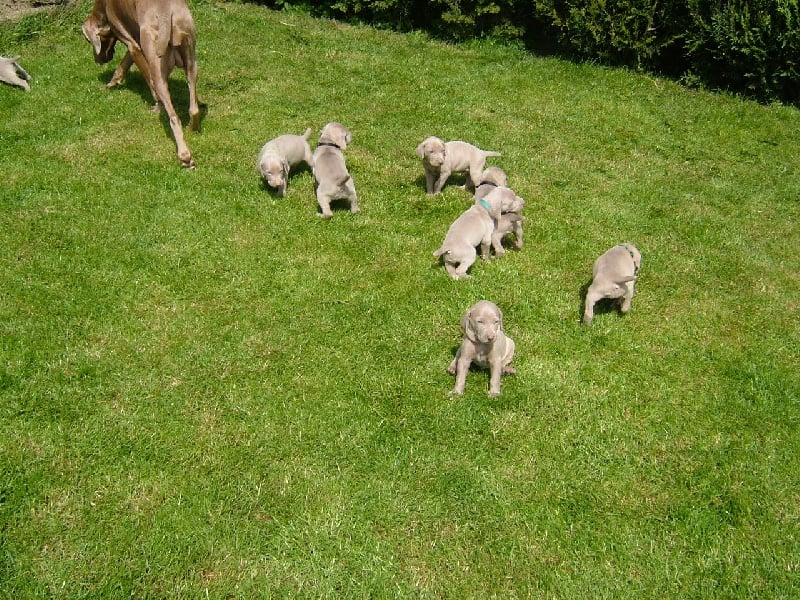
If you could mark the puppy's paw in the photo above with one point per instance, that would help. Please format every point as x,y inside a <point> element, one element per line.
<point>509,371</point>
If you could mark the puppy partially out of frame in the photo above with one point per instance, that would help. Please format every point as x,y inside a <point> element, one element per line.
<point>12,74</point>
<point>332,181</point>
<point>280,155</point>
<point>485,344</point>
<point>613,276</point>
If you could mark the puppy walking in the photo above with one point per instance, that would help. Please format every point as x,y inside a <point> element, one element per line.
<point>440,159</point>
<point>280,155</point>
<point>485,344</point>
<point>331,178</point>
<point>614,276</point>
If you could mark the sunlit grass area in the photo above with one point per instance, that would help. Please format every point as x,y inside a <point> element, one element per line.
<point>208,391</point>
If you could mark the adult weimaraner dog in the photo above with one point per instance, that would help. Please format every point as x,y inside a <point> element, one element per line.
<point>485,344</point>
<point>159,34</point>
<point>613,276</point>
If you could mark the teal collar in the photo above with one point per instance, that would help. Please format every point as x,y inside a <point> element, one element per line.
<point>485,205</point>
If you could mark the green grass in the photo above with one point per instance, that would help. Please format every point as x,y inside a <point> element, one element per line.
<point>207,391</point>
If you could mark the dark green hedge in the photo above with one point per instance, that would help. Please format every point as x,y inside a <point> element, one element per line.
<point>750,47</point>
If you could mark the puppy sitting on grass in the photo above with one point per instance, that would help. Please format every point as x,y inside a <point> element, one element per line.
<point>485,344</point>
<point>614,276</point>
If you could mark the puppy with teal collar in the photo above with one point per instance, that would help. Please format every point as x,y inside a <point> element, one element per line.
<point>474,228</point>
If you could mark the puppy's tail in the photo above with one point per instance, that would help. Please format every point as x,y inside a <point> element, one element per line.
<point>489,153</point>
<point>306,134</point>
<point>440,251</point>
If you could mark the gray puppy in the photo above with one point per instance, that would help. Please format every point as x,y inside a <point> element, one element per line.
<point>485,344</point>
<point>440,159</point>
<point>614,276</point>
<point>331,178</point>
<point>491,178</point>
<point>474,228</point>
<point>280,155</point>
<point>510,223</point>
<point>12,74</point>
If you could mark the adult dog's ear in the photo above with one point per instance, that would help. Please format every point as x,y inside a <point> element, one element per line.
<point>100,37</point>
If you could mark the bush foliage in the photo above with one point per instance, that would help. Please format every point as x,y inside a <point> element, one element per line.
<point>750,47</point>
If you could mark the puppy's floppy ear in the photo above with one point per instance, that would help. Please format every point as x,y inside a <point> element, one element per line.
<point>500,316</point>
<point>421,150</point>
<point>466,326</point>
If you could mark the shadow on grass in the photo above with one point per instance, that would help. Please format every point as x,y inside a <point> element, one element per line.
<point>178,90</point>
<point>264,186</point>
<point>337,206</point>
<point>601,307</point>
<point>455,179</point>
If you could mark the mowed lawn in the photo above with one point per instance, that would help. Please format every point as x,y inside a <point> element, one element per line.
<point>207,391</point>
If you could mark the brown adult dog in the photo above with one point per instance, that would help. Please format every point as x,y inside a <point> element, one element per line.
<point>159,35</point>
<point>485,344</point>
